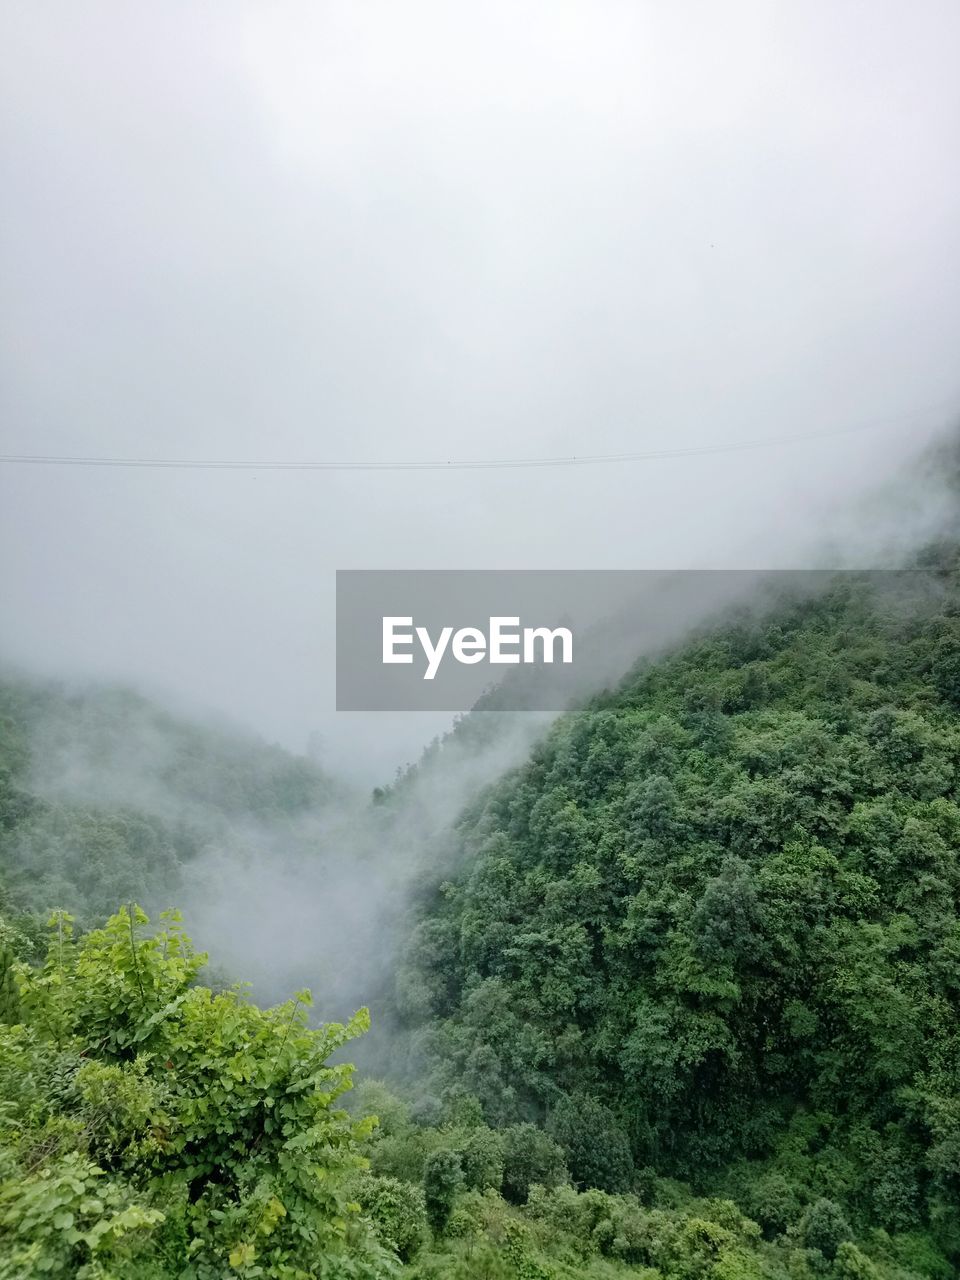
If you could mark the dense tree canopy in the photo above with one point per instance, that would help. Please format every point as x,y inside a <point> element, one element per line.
<point>678,1000</point>
<point>722,903</point>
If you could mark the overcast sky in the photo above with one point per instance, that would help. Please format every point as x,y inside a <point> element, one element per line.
<point>375,231</point>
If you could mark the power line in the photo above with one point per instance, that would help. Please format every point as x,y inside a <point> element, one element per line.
<point>485,464</point>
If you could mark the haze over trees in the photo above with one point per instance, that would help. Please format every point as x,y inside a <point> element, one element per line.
<point>677,997</point>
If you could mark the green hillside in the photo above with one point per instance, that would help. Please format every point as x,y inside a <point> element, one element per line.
<point>678,1001</point>
<point>105,797</point>
<point>716,915</point>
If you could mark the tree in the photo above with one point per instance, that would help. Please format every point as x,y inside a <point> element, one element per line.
<point>824,1227</point>
<point>530,1157</point>
<point>9,994</point>
<point>442,1179</point>
<point>199,1108</point>
<point>596,1148</point>
<point>397,1210</point>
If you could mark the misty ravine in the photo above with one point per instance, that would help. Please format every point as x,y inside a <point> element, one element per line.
<point>668,987</point>
<point>479,640</point>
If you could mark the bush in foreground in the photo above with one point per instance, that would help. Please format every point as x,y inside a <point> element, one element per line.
<point>149,1127</point>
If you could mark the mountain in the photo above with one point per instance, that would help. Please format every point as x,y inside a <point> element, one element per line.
<point>670,994</point>
<point>106,797</point>
<point>717,914</point>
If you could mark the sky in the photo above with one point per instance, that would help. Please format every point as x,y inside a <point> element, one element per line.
<point>371,232</point>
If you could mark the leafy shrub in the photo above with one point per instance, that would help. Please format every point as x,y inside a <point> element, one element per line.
<point>397,1210</point>
<point>462,1224</point>
<point>442,1179</point>
<point>852,1264</point>
<point>596,1148</point>
<point>773,1202</point>
<point>69,1218</point>
<point>530,1156</point>
<point>481,1158</point>
<point>183,1098</point>
<point>9,995</point>
<point>824,1227</point>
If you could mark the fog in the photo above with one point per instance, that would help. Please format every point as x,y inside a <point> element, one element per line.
<point>380,233</point>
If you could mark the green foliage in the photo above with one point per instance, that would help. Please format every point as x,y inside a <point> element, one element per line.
<point>717,910</point>
<point>772,1200</point>
<point>103,796</point>
<point>481,1153</point>
<point>68,1219</point>
<point>194,1110</point>
<point>824,1227</point>
<point>530,1157</point>
<point>852,1264</point>
<point>698,957</point>
<point>398,1213</point>
<point>9,993</point>
<point>442,1179</point>
<point>595,1146</point>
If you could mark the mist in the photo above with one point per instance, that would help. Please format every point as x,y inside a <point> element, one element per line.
<point>326,232</point>
<point>322,898</point>
<point>658,945</point>
<point>361,234</point>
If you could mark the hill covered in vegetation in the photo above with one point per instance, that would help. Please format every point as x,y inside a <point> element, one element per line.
<point>679,1000</point>
<point>711,930</point>
<point>105,797</point>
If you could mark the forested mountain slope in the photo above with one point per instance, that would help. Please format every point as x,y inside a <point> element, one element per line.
<point>678,1001</point>
<point>711,927</point>
<point>104,796</point>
